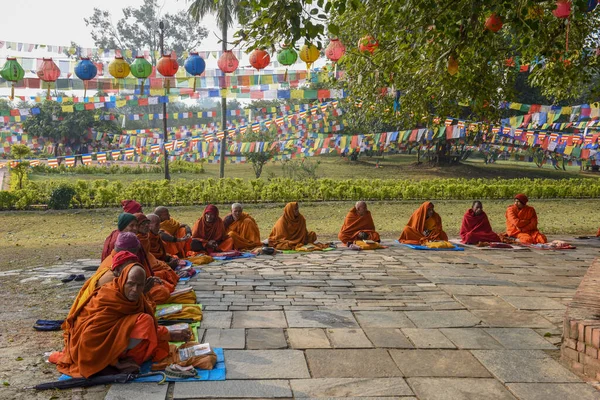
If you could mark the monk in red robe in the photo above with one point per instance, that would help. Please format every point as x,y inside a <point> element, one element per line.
<point>209,233</point>
<point>114,331</point>
<point>289,232</point>
<point>358,225</point>
<point>131,206</point>
<point>424,225</point>
<point>126,223</point>
<point>521,222</point>
<point>176,236</point>
<point>476,226</point>
<point>242,229</point>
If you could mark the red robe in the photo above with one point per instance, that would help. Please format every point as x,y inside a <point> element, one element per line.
<point>477,228</point>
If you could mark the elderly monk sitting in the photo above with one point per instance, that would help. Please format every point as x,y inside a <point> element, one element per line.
<point>476,226</point>
<point>115,331</point>
<point>175,235</point>
<point>242,229</point>
<point>156,245</point>
<point>289,232</point>
<point>209,233</point>
<point>424,225</point>
<point>126,223</point>
<point>521,222</point>
<point>358,225</point>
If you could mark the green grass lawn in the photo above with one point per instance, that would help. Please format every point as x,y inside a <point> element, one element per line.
<point>30,238</point>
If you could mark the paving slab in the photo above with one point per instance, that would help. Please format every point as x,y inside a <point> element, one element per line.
<point>471,338</point>
<point>383,319</point>
<point>534,303</point>
<point>428,338</point>
<point>226,338</point>
<point>442,319</point>
<point>350,387</point>
<point>467,290</point>
<point>216,319</point>
<point>264,339</point>
<point>523,366</point>
<point>308,338</point>
<point>375,363</point>
<point>388,337</point>
<point>265,364</point>
<point>259,319</point>
<point>554,391</point>
<point>439,363</point>
<point>321,319</point>
<point>132,390</point>
<point>459,389</point>
<point>231,389</point>
<point>520,338</point>
<point>344,338</point>
<point>484,302</point>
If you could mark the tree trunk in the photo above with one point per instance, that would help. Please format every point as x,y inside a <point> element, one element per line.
<point>224,99</point>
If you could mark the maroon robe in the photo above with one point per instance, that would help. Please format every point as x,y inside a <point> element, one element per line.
<point>477,228</point>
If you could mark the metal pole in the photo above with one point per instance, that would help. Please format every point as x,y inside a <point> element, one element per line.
<point>223,98</point>
<point>166,154</point>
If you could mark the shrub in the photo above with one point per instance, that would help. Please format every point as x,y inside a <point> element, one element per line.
<point>61,197</point>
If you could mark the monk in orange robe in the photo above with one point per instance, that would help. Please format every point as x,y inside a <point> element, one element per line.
<point>358,225</point>
<point>289,232</point>
<point>424,225</point>
<point>114,330</point>
<point>209,233</point>
<point>175,235</point>
<point>126,223</point>
<point>156,245</point>
<point>476,226</point>
<point>242,229</point>
<point>521,222</point>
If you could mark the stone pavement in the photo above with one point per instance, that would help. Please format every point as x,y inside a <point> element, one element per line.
<point>394,323</point>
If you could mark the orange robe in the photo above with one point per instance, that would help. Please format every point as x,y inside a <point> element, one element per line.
<point>289,232</point>
<point>598,233</point>
<point>205,232</point>
<point>244,232</point>
<point>157,247</point>
<point>160,268</point>
<point>522,224</point>
<point>413,232</point>
<point>100,330</point>
<point>174,228</point>
<point>354,224</point>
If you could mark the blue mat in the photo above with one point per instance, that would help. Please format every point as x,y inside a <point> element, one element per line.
<point>215,374</point>
<point>244,255</point>
<point>419,247</point>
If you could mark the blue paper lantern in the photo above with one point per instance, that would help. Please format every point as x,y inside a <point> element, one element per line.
<point>591,5</point>
<point>194,65</point>
<point>85,70</point>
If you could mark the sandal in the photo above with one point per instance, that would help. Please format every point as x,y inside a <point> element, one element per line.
<point>68,278</point>
<point>177,371</point>
<point>80,278</point>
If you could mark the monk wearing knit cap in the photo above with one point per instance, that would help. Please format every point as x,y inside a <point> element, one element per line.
<point>521,222</point>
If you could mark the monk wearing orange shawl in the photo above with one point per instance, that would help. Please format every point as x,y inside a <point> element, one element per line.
<point>175,235</point>
<point>209,232</point>
<point>114,330</point>
<point>424,225</point>
<point>289,232</point>
<point>242,229</point>
<point>156,245</point>
<point>476,226</point>
<point>358,225</point>
<point>521,222</point>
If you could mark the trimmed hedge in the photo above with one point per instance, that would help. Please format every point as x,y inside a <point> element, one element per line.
<point>104,193</point>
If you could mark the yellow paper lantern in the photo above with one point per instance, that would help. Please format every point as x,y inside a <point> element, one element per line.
<point>309,54</point>
<point>118,68</point>
<point>452,65</point>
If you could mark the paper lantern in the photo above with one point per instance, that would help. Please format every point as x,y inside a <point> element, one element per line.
<point>228,62</point>
<point>493,23</point>
<point>287,56</point>
<point>591,5</point>
<point>259,59</point>
<point>118,68</point>
<point>368,43</point>
<point>195,66</point>
<point>563,9</point>
<point>141,69</point>
<point>335,50</point>
<point>48,72</point>
<point>452,65</point>
<point>167,67</point>
<point>12,72</point>
<point>85,70</point>
<point>309,53</point>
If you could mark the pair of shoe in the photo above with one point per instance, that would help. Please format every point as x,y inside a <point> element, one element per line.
<point>48,325</point>
<point>73,277</point>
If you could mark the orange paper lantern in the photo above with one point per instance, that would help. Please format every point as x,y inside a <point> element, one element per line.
<point>368,43</point>
<point>259,59</point>
<point>48,72</point>
<point>228,62</point>
<point>335,50</point>
<point>167,67</point>
<point>493,23</point>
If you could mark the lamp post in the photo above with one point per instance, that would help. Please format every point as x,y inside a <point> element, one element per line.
<point>162,25</point>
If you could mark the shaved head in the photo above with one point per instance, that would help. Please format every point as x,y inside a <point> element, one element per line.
<point>162,212</point>
<point>361,208</point>
<point>134,286</point>
<point>360,203</point>
<point>154,223</point>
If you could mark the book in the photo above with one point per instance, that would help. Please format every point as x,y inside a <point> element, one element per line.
<point>178,327</point>
<point>182,290</point>
<point>197,350</point>
<point>174,309</point>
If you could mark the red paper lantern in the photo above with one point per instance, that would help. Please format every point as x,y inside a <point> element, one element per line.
<point>335,50</point>
<point>228,62</point>
<point>493,23</point>
<point>368,43</point>
<point>48,72</point>
<point>259,59</point>
<point>563,9</point>
<point>167,66</point>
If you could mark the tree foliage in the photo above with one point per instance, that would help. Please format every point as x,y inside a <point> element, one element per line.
<point>417,38</point>
<point>234,10</point>
<point>20,152</point>
<point>137,29</point>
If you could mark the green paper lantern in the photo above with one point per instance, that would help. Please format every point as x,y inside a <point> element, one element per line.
<point>12,72</point>
<point>141,69</point>
<point>287,56</point>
